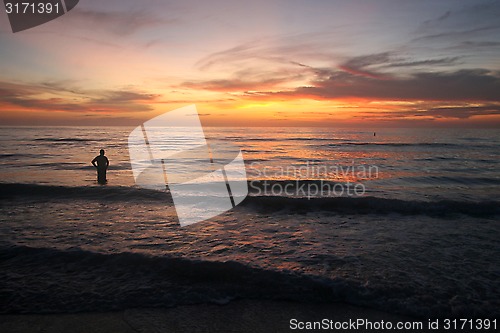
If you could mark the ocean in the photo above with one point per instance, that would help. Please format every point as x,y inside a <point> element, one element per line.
<point>402,220</point>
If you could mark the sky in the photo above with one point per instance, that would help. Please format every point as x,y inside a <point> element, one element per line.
<point>257,63</point>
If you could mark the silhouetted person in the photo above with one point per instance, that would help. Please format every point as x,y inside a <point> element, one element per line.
<point>101,162</point>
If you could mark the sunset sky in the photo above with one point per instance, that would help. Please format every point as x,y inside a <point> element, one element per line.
<point>257,63</point>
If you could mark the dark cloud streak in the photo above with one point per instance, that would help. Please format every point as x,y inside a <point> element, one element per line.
<point>461,85</point>
<point>63,98</point>
<point>118,22</point>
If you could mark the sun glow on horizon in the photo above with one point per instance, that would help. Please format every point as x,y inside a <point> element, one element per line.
<point>97,66</point>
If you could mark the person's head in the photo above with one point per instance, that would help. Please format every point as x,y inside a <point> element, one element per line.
<point>101,151</point>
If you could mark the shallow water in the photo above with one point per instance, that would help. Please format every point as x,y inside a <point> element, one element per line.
<point>422,240</point>
<point>410,164</point>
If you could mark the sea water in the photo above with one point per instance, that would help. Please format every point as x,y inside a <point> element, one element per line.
<point>419,237</point>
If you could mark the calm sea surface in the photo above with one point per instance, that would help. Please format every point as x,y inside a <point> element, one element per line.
<point>420,236</point>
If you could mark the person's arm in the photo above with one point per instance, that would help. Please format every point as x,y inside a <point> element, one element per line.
<point>93,162</point>
<point>107,163</point>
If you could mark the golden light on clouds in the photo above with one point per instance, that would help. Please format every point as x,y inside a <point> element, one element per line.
<point>276,67</point>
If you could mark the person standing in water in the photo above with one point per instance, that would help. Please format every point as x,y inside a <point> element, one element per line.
<point>101,162</point>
